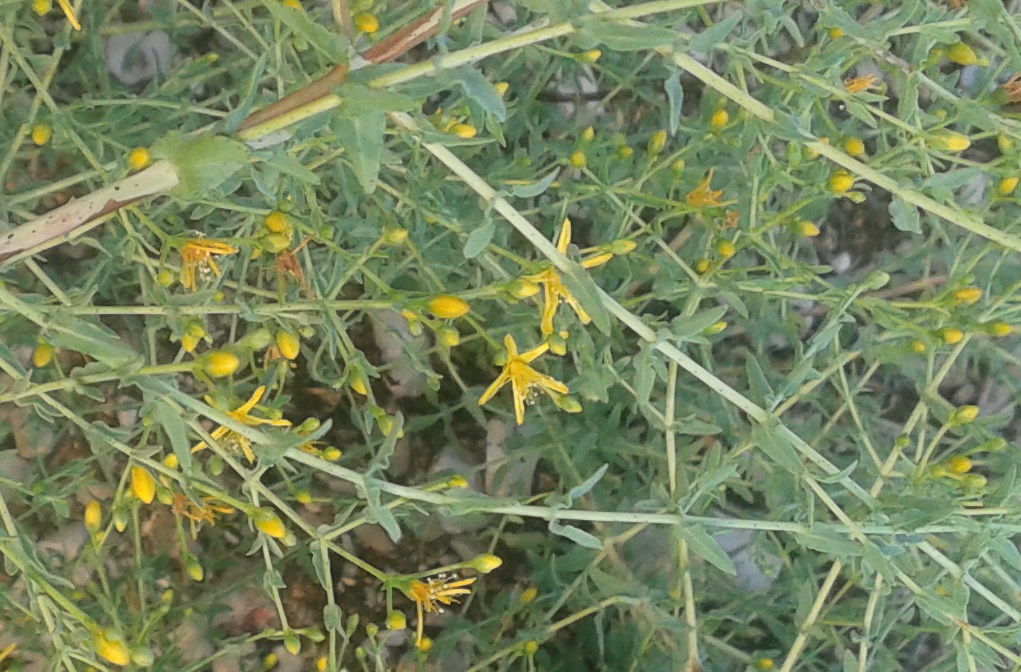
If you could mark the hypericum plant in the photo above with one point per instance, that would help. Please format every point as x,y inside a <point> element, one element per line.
<point>252,305</point>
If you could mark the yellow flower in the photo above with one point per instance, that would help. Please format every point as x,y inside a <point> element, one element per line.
<point>858,84</point>
<point>431,593</point>
<point>702,195</point>
<point>522,377</point>
<point>204,512</point>
<point>448,307</point>
<point>197,254</point>
<point>111,648</point>
<point>139,158</point>
<point>142,484</point>
<point>93,516</point>
<point>366,22</point>
<point>553,289</point>
<point>241,414</point>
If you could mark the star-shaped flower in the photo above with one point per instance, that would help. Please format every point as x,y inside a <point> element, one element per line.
<point>197,254</point>
<point>239,442</point>
<point>431,593</point>
<point>702,195</point>
<point>553,289</point>
<point>524,380</point>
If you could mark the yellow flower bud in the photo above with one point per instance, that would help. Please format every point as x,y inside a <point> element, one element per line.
<point>701,266</point>
<point>719,119</point>
<point>120,519</point>
<point>624,152</point>
<point>622,246</point>
<point>557,343</point>
<point>466,131</point>
<point>522,289</point>
<point>170,461</point>
<point>1007,186</point>
<point>194,568</point>
<point>958,464</point>
<point>1005,143</point>
<point>321,664</point>
<point>142,656</point>
<point>840,182</point>
<point>41,134</point>
<point>656,143</point>
<point>42,355</point>
<point>143,485</point>
<point>276,222</point>
<point>269,661</point>
<point>220,363</point>
<point>448,307</point>
<point>395,235</point>
<point>950,141</point>
<point>332,454</point>
<point>139,158</point>
<point>41,7</point>
<point>808,229</point>
<point>448,337</point>
<point>358,385</point>
<point>396,620</point>
<point>529,594</point>
<point>303,497</point>
<point>110,647</point>
<point>457,481</point>
<point>165,277</point>
<point>964,415</point>
<point>678,166</point>
<point>288,344</point>
<point>93,516</point>
<point>292,642</point>
<point>951,336</point>
<point>918,347</point>
<point>836,33</point>
<point>424,644</point>
<point>999,329</point>
<point>974,481</point>
<point>293,4</point>
<point>577,159</point>
<point>501,88</point>
<point>854,146</point>
<point>961,54</point>
<point>530,647</point>
<point>725,249</point>
<point>967,295</point>
<point>269,523</point>
<point>366,22</point>
<point>588,134</point>
<point>763,664</point>
<point>485,563</point>
<point>590,56</point>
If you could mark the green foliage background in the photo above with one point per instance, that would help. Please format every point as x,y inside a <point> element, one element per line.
<point>766,471</point>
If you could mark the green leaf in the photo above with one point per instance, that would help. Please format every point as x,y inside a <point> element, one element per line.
<point>702,544</point>
<point>360,99</point>
<point>362,138</point>
<point>583,488</point>
<point>675,99</point>
<point>376,512</point>
<point>238,114</point>
<point>714,34</point>
<point>92,338</point>
<point>829,542</point>
<point>536,188</point>
<point>173,425</point>
<point>621,37</point>
<point>332,45</point>
<point>760,389</point>
<point>777,447</point>
<point>289,165</point>
<point>580,283</point>
<point>477,88</point>
<point>685,328</point>
<point>905,216</point>
<point>201,162</point>
<point>578,536</point>
<point>479,239</point>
